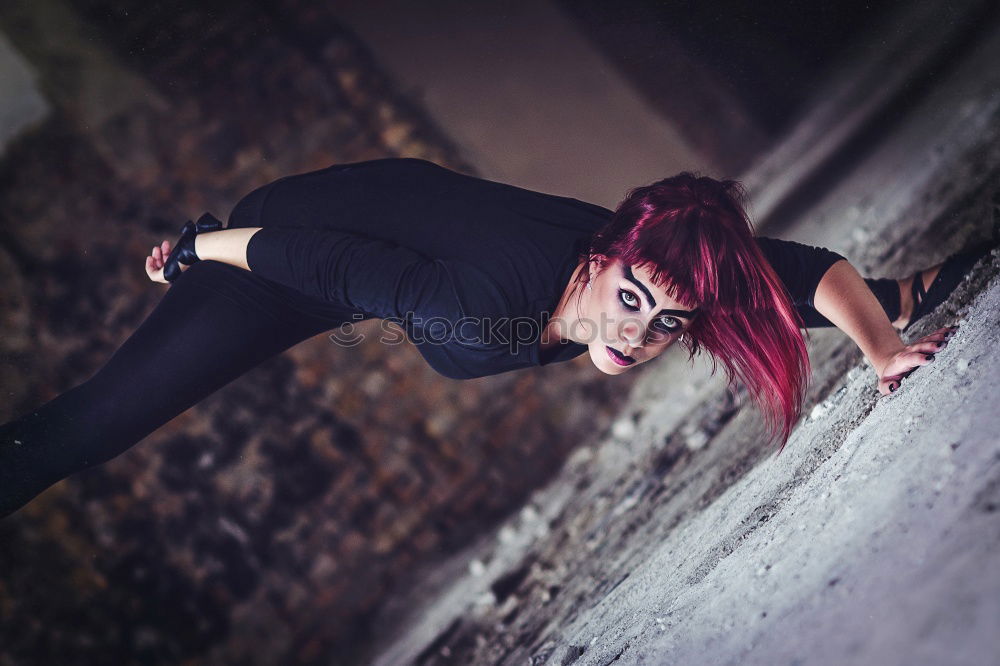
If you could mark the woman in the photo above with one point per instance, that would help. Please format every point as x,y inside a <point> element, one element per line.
<point>485,278</point>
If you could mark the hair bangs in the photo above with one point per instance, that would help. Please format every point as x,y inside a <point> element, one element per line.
<point>693,235</point>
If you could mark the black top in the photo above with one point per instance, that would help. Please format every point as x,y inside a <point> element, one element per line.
<point>471,268</point>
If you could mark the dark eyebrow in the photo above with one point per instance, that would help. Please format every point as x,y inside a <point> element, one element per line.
<point>687,314</point>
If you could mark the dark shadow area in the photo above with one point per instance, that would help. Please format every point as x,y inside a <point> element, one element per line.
<point>733,75</point>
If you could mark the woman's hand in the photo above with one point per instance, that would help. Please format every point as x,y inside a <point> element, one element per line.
<point>900,364</point>
<point>155,261</point>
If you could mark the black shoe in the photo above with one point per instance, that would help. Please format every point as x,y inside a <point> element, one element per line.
<point>183,250</point>
<point>953,270</point>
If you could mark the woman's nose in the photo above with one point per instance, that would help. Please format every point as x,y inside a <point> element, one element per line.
<point>633,332</point>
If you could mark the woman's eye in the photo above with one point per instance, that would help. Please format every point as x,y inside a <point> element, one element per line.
<point>667,324</point>
<point>629,299</point>
<point>664,324</point>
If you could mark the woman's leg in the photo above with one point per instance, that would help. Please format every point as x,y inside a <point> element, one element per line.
<point>213,324</point>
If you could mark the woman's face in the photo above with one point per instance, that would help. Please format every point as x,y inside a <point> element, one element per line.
<point>624,312</point>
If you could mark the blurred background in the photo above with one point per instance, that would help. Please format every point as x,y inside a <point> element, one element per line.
<point>271,523</point>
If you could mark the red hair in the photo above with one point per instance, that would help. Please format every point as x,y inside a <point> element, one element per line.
<point>695,237</point>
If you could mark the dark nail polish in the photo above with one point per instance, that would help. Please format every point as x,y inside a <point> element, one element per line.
<point>930,357</point>
<point>893,387</point>
<point>939,344</point>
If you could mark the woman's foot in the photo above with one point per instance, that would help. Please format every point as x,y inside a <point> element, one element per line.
<point>917,299</point>
<point>156,260</point>
<point>161,267</point>
<point>906,294</point>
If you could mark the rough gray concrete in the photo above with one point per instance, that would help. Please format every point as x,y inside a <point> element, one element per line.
<point>872,539</point>
<point>884,553</point>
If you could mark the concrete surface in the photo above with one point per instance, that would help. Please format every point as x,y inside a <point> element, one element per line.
<point>885,553</point>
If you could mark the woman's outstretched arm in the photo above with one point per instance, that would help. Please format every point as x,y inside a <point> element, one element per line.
<point>843,297</point>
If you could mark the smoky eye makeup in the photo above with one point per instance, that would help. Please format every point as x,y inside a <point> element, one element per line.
<point>670,329</point>
<point>631,303</point>
<point>628,299</point>
<point>627,274</point>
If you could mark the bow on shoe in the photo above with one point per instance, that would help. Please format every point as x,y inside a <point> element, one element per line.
<point>183,250</point>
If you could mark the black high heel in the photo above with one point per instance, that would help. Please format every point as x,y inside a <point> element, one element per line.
<point>183,251</point>
<point>953,270</point>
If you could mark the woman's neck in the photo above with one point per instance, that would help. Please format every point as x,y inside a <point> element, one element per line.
<point>560,323</point>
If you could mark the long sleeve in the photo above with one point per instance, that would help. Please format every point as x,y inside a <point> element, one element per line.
<point>375,276</point>
<point>800,267</point>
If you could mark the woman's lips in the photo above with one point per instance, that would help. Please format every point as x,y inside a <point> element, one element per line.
<point>619,358</point>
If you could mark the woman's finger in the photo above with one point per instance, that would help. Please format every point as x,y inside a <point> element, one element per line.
<point>937,336</point>
<point>930,347</point>
<point>890,382</point>
<point>889,385</point>
<point>947,331</point>
<point>940,334</point>
<point>907,362</point>
<point>922,352</point>
<point>903,365</point>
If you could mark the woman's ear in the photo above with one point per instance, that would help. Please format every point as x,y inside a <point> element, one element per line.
<point>598,262</point>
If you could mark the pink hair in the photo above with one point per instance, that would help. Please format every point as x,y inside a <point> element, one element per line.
<point>696,239</point>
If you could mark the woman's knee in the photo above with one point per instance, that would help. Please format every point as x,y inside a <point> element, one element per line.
<point>247,211</point>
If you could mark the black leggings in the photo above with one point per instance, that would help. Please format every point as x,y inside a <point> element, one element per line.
<point>214,323</point>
